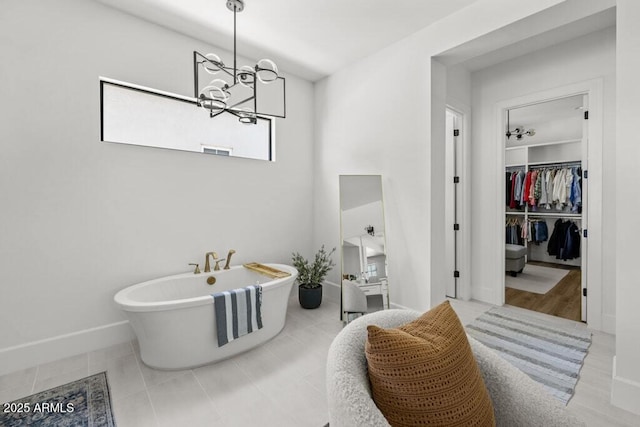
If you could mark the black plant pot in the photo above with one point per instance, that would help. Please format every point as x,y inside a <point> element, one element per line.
<point>310,297</point>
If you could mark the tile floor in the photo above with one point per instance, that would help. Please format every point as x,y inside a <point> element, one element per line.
<point>281,383</point>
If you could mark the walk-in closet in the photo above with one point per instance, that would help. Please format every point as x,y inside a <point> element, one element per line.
<point>545,206</point>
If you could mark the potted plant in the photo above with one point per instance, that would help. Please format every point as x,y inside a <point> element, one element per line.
<point>311,276</point>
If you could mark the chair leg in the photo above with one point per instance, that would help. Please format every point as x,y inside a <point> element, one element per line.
<point>347,318</point>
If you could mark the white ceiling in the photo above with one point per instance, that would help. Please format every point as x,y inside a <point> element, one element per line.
<point>310,38</point>
<point>519,47</point>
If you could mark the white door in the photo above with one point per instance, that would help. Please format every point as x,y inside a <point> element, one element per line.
<point>453,200</point>
<point>585,211</point>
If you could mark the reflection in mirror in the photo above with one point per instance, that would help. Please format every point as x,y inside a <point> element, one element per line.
<point>137,115</point>
<point>364,256</point>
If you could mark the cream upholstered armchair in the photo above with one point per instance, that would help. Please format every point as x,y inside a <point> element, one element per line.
<point>517,400</point>
<point>354,300</point>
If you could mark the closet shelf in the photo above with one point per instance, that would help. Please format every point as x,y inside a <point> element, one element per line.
<point>543,144</point>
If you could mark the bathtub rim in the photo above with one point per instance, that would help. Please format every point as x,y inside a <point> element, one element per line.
<point>122,300</point>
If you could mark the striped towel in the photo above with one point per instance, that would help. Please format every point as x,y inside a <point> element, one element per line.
<point>237,312</point>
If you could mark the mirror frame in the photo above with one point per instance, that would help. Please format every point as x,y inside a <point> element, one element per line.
<point>378,177</point>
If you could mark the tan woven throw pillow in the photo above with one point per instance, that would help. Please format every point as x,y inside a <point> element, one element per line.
<point>424,373</point>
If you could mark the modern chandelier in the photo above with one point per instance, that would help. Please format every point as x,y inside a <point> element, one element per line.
<point>519,131</point>
<point>220,88</point>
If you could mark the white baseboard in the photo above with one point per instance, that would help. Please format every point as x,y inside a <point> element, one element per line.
<point>55,348</point>
<point>401,307</point>
<point>484,294</point>
<point>625,393</point>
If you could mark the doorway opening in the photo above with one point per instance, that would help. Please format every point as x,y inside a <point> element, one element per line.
<point>546,206</point>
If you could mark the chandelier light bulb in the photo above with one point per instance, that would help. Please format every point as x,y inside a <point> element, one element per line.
<point>213,105</point>
<point>214,96</point>
<point>267,71</point>
<point>247,117</point>
<point>217,89</point>
<point>213,92</point>
<point>213,65</point>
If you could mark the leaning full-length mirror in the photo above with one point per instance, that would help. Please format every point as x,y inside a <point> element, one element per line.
<point>364,255</point>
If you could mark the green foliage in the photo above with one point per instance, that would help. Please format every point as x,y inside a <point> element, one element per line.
<point>311,275</point>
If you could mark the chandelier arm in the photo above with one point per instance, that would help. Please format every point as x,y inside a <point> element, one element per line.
<point>241,102</point>
<point>255,96</point>
<point>226,70</point>
<point>212,115</point>
<point>508,134</point>
<point>233,85</point>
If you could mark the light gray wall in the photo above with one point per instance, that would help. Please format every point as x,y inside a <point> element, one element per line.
<point>362,128</point>
<point>582,59</point>
<point>626,381</point>
<point>82,219</point>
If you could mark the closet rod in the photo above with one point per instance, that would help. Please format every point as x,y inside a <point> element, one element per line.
<point>542,165</point>
<point>556,215</point>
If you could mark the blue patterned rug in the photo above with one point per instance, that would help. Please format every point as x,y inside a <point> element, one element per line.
<point>547,352</point>
<point>85,403</point>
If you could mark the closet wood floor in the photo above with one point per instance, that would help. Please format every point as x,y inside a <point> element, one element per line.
<point>563,300</point>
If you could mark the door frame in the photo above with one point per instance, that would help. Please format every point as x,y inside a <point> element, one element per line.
<point>463,250</point>
<point>594,89</point>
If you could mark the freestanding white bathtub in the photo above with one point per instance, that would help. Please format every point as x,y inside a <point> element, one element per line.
<point>173,317</point>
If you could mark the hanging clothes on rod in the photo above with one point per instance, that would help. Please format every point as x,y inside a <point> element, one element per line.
<point>556,186</point>
<point>565,239</point>
<point>519,231</point>
<point>553,187</point>
<point>513,232</point>
<point>514,186</point>
<point>539,232</point>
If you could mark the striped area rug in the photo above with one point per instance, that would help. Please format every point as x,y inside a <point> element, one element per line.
<point>547,352</point>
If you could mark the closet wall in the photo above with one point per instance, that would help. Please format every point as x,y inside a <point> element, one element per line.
<point>578,60</point>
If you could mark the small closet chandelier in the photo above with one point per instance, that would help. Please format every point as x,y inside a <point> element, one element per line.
<point>235,90</point>
<point>519,132</point>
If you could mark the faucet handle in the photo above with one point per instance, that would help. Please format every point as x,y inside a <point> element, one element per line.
<point>197,269</point>
<point>217,266</point>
